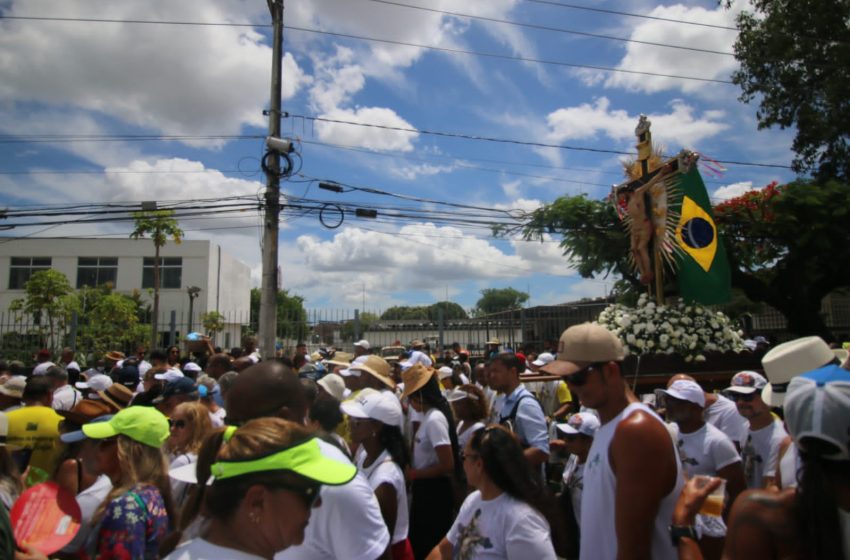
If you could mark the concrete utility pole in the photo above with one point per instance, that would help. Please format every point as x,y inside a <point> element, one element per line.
<point>269,286</point>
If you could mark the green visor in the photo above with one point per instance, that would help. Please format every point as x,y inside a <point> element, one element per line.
<point>305,459</point>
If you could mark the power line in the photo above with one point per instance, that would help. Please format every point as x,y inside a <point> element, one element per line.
<point>555,29</point>
<point>631,14</point>
<point>402,43</point>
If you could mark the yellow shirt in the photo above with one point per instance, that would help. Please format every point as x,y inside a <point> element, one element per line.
<point>563,393</point>
<point>36,428</point>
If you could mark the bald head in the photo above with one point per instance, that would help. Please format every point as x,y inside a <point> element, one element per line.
<point>268,388</point>
<point>241,364</point>
<point>680,377</point>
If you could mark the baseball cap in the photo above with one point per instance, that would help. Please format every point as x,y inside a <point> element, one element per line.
<point>14,387</point>
<point>364,344</point>
<point>349,371</point>
<point>97,382</point>
<point>818,407</point>
<point>377,367</point>
<point>129,376</point>
<point>747,382</point>
<point>192,366</point>
<point>585,423</point>
<point>589,343</point>
<point>376,405</point>
<point>445,372</point>
<point>458,394</point>
<point>181,386</point>
<point>333,384</point>
<point>685,390</point>
<point>169,375</point>
<point>140,423</point>
<point>543,359</point>
<point>78,435</point>
<point>790,359</point>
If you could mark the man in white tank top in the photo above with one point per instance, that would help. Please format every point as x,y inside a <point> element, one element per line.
<point>632,476</point>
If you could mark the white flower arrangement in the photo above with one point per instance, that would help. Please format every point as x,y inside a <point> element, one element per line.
<point>675,328</point>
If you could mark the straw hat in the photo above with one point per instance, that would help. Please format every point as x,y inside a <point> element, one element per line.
<point>117,395</point>
<point>377,367</point>
<point>415,377</point>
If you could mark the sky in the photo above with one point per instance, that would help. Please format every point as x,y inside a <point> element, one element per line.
<point>177,115</point>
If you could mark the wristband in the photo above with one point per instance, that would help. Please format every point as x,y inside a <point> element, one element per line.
<point>678,532</point>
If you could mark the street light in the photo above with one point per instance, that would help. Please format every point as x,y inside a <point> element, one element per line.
<point>193,292</point>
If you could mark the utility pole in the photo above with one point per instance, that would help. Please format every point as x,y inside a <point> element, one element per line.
<point>269,286</point>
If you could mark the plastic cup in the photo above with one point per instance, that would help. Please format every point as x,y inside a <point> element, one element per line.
<point>713,504</point>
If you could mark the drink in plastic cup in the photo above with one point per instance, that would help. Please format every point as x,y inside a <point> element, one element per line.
<point>714,502</point>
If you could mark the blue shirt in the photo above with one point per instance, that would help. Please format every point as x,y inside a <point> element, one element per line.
<point>530,423</point>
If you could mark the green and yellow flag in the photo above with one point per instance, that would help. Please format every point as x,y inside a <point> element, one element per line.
<point>703,270</point>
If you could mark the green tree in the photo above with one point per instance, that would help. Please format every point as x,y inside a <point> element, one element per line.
<point>291,315</point>
<point>451,310</point>
<point>47,302</point>
<point>494,300</point>
<point>107,320</point>
<point>160,225</point>
<point>213,322</point>
<point>795,60</point>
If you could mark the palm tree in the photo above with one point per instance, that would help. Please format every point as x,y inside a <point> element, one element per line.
<point>159,225</point>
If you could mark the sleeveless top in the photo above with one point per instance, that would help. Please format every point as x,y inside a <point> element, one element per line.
<point>598,533</point>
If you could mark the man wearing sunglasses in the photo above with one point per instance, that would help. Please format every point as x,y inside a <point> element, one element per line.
<point>761,448</point>
<point>632,475</point>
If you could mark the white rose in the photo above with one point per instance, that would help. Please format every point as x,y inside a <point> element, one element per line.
<point>700,358</point>
<point>630,338</point>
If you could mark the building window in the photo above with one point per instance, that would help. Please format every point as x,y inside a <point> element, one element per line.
<point>170,272</point>
<point>97,271</point>
<point>21,268</point>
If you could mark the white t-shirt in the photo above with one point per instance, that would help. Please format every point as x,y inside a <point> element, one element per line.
<point>72,365</point>
<point>42,368</point>
<point>502,528</point>
<point>347,526</point>
<point>723,415</point>
<point>574,484</point>
<point>788,466</point>
<point>463,438</point>
<point>199,549</point>
<point>432,432</point>
<point>386,471</point>
<point>705,451</point>
<point>217,418</point>
<point>65,398</point>
<point>88,500</point>
<point>761,453</point>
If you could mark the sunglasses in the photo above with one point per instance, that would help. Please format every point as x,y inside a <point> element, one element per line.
<point>579,378</point>
<point>309,494</point>
<point>177,423</point>
<point>748,397</point>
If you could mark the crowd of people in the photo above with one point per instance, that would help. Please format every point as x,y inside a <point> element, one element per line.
<point>331,455</point>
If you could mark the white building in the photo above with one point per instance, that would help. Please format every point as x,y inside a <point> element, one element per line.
<point>224,282</point>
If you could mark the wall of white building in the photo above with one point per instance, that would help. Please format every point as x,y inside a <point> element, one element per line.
<point>225,282</point>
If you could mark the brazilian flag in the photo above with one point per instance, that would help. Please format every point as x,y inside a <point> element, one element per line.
<point>703,270</point>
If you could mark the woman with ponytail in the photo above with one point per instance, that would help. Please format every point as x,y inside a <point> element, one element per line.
<point>435,460</point>
<point>266,477</point>
<point>376,419</point>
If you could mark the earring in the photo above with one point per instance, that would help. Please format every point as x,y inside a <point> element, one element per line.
<point>254,517</point>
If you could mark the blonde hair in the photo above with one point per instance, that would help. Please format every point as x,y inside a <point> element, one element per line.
<point>140,464</point>
<point>197,422</point>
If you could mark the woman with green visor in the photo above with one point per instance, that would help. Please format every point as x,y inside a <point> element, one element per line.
<point>263,479</point>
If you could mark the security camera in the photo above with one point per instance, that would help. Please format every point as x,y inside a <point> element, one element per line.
<point>280,145</point>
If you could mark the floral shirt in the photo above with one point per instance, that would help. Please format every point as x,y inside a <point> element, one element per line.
<point>129,531</point>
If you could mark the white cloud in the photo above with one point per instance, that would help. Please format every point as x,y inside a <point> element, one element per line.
<point>648,58</point>
<point>171,78</point>
<point>363,136</point>
<point>412,172</point>
<point>733,190</point>
<point>681,127</point>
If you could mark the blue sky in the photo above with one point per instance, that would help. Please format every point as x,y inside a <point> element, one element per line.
<point>85,78</point>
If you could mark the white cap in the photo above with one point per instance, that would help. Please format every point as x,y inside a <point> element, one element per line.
<point>543,359</point>
<point>169,375</point>
<point>445,372</point>
<point>458,394</point>
<point>192,366</point>
<point>348,372</point>
<point>686,390</point>
<point>382,406</point>
<point>585,423</point>
<point>747,382</point>
<point>99,382</point>
<point>817,408</point>
<point>333,384</point>
<point>364,344</point>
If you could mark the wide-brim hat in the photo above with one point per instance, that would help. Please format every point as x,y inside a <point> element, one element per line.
<point>117,395</point>
<point>493,342</point>
<point>415,377</point>
<point>377,367</point>
<point>85,411</point>
<point>788,360</point>
<point>333,384</point>
<point>14,387</point>
<point>341,359</point>
<point>114,355</point>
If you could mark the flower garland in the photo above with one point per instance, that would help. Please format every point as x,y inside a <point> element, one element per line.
<point>690,330</point>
